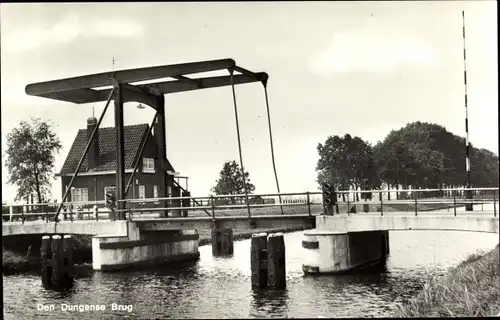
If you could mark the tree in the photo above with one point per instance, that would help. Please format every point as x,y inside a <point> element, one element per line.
<point>31,150</point>
<point>360,158</point>
<point>427,155</point>
<point>484,168</point>
<point>231,181</point>
<point>345,162</point>
<point>332,164</point>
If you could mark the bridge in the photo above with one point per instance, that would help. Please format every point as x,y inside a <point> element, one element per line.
<point>139,231</point>
<point>360,228</point>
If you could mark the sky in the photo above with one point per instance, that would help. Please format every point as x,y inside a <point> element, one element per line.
<point>363,68</point>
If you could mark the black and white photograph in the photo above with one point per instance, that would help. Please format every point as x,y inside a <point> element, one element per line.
<point>250,160</point>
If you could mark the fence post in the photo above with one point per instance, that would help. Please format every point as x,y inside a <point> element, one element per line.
<point>481,200</point>
<point>381,203</point>
<point>213,206</point>
<point>46,214</point>
<point>22,214</point>
<point>348,202</point>
<point>11,213</point>
<point>308,203</point>
<point>416,204</point>
<point>455,204</point>
<point>494,203</point>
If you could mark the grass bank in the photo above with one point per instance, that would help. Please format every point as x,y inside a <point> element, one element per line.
<point>18,259</point>
<point>13,262</point>
<point>472,289</point>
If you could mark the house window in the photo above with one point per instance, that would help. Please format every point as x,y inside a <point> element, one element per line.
<point>142,192</point>
<point>79,195</point>
<point>148,165</point>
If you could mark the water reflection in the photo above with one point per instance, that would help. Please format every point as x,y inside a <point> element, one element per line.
<point>269,303</point>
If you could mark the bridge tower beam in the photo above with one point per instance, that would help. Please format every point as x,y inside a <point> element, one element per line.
<point>154,98</point>
<point>120,152</point>
<point>162,150</point>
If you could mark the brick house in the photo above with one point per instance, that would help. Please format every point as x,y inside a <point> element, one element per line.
<point>97,173</point>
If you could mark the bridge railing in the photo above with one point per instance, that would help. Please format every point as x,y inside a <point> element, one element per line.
<point>147,208</point>
<point>411,200</point>
<point>229,205</point>
<point>454,200</point>
<point>47,211</point>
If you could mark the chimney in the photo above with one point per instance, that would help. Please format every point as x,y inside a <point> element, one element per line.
<point>93,154</point>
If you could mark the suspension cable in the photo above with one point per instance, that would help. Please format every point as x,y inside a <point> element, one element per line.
<point>271,140</point>
<point>231,72</point>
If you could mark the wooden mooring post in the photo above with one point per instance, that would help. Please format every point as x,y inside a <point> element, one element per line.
<point>268,261</point>
<point>222,242</point>
<point>46,256</point>
<point>56,262</point>
<point>258,260</point>
<point>276,261</point>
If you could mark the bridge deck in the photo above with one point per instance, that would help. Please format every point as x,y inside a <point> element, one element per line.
<point>353,222</point>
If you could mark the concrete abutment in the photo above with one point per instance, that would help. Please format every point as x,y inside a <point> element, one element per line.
<point>143,247</point>
<point>339,252</point>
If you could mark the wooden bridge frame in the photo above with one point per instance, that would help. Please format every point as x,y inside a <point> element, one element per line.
<point>82,90</point>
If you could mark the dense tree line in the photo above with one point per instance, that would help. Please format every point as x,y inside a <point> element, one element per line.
<point>419,155</point>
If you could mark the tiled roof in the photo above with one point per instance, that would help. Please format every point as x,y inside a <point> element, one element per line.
<point>133,136</point>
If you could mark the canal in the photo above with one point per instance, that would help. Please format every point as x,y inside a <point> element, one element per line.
<point>220,287</point>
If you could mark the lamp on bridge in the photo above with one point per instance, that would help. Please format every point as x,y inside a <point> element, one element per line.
<point>329,199</point>
<point>111,202</point>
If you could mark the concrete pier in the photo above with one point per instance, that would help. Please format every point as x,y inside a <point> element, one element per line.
<point>143,248</point>
<point>222,242</point>
<point>339,252</point>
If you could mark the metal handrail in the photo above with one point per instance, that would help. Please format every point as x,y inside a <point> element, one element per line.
<point>416,190</point>
<point>102,202</point>
<point>454,201</point>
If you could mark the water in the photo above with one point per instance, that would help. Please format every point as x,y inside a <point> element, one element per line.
<point>220,287</point>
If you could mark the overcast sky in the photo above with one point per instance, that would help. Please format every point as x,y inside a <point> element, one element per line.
<point>362,68</point>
